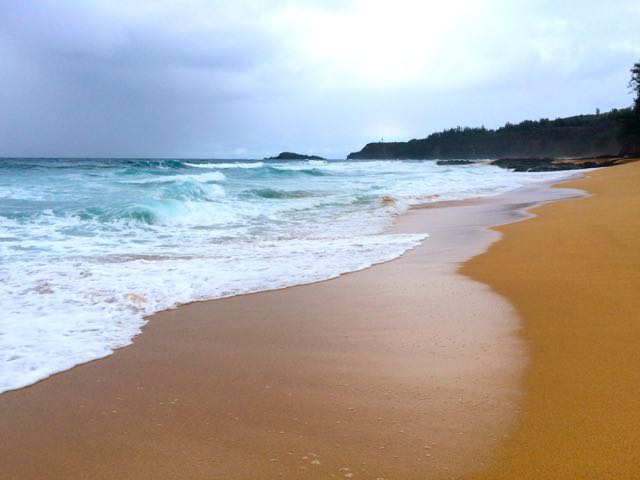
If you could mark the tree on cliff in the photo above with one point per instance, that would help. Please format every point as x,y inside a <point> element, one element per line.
<point>634,85</point>
<point>631,144</point>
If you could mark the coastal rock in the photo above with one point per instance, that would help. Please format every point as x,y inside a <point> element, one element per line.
<point>553,165</point>
<point>454,162</point>
<point>295,156</point>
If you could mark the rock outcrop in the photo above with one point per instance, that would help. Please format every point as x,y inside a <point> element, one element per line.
<point>295,156</point>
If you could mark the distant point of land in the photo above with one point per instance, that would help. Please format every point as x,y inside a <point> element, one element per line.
<point>612,133</point>
<point>295,156</point>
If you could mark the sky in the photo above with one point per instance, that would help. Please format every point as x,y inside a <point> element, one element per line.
<point>248,79</point>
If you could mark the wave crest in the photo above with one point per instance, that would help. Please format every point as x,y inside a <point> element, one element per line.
<point>225,165</point>
<point>200,178</point>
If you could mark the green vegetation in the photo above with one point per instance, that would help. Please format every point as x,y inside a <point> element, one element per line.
<point>634,85</point>
<point>579,136</point>
<point>632,124</point>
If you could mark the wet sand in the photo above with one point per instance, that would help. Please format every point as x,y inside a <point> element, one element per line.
<point>404,370</point>
<point>573,273</point>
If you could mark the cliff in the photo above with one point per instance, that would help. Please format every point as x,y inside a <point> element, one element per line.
<point>578,136</point>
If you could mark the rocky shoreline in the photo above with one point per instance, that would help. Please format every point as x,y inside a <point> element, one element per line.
<point>557,164</point>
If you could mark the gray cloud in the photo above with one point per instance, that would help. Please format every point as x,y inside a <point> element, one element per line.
<point>224,79</point>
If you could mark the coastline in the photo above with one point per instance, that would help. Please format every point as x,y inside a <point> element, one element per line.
<point>573,274</point>
<point>354,376</point>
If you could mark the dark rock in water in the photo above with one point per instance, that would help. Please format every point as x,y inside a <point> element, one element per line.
<point>526,164</point>
<point>295,156</point>
<point>553,165</point>
<point>454,162</point>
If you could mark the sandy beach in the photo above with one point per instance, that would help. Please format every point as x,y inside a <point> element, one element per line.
<point>573,274</point>
<point>403,370</point>
<point>351,240</point>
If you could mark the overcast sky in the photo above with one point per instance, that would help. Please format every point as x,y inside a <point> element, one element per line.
<point>246,79</point>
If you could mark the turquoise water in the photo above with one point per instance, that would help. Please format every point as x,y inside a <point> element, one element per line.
<point>88,247</point>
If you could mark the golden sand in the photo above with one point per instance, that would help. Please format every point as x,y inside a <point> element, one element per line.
<point>573,273</point>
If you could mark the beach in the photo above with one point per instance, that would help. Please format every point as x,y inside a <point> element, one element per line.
<point>573,274</point>
<point>347,240</point>
<point>403,370</point>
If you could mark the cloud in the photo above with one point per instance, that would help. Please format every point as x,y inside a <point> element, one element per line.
<point>198,78</point>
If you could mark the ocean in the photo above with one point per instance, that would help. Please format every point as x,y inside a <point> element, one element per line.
<point>89,247</point>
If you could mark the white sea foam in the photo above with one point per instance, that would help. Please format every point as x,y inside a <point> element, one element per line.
<point>202,178</point>
<point>58,315</point>
<point>226,165</point>
<point>85,255</point>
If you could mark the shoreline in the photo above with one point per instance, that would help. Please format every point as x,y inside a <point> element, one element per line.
<point>573,274</point>
<point>391,229</point>
<point>337,370</point>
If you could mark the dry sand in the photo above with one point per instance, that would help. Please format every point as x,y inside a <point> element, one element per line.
<point>573,273</point>
<point>405,370</point>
